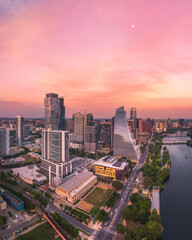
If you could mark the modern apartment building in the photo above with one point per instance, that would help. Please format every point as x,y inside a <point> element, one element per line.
<point>55,153</point>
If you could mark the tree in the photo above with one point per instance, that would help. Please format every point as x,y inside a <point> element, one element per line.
<point>154,230</point>
<point>148,182</point>
<point>1,221</point>
<point>117,185</point>
<point>155,216</point>
<point>61,205</point>
<point>136,197</point>
<point>102,216</point>
<point>120,228</point>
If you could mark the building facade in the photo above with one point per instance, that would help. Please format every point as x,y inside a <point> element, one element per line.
<point>55,145</point>
<point>91,138</point>
<point>54,112</point>
<point>55,153</point>
<point>4,142</point>
<point>105,135</point>
<point>73,189</point>
<point>110,167</point>
<point>124,145</point>
<point>19,130</point>
<point>133,116</point>
<point>12,200</point>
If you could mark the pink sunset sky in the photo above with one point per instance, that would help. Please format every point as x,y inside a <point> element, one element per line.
<point>98,54</point>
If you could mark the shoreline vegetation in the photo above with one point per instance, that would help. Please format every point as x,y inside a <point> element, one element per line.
<point>158,162</point>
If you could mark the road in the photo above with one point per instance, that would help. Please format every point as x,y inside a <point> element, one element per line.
<point>107,232</point>
<point>44,212</point>
<point>71,219</point>
<point>19,226</point>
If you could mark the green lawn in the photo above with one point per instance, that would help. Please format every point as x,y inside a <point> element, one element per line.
<point>42,232</point>
<point>98,197</point>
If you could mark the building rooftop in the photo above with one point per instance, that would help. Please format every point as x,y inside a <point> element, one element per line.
<point>155,204</point>
<point>112,162</point>
<point>12,197</point>
<point>30,172</point>
<point>75,181</point>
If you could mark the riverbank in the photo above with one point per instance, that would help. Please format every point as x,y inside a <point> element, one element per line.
<point>177,195</point>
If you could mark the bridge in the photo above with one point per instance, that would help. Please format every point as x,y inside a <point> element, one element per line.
<point>177,134</point>
<point>168,142</point>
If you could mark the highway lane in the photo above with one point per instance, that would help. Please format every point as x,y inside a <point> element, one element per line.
<point>107,232</point>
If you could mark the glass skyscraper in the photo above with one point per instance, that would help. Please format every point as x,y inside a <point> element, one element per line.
<point>124,145</point>
<point>54,112</point>
<point>19,130</point>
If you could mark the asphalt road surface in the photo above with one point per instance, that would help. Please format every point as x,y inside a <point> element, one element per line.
<point>7,232</point>
<point>107,232</point>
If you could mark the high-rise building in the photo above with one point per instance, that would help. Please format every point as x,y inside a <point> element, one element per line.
<point>55,145</point>
<point>26,130</point>
<point>133,115</point>
<point>148,126</point>
<point>69,125</point>
<point>89,119</point>
<point>105,134</point>
<point>91,138</point>
<point>124,145</point>
<point>54,112</point>
<point>19,130</point>
<point>4,142</point>
<point>139,125</point>
<point>61,114</point>
<point>79,123</point>
<point>51,103</point>
<point>55,153</point>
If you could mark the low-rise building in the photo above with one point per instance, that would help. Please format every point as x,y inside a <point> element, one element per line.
<point>111,167</point>
<point>30,174</point>
<point>76,187</point>
<point>155,201</point>
<point>12,200</point>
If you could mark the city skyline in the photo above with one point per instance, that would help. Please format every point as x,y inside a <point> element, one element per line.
<point>98,55</point>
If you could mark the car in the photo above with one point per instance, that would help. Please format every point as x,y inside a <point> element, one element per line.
<point>115,209</point>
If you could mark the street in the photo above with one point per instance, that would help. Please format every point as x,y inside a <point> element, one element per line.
<point>107,232</point>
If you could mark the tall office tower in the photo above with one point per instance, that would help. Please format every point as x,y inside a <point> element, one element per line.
<point>89,119</point>
<point>61,114</point>
<point>4,142</point>
<point>124,145</point>
<point>55,145</point>
<point>55,153</point>
<point>91,138</point>
<point>105,134</point>
<point>26,130</point>
<point>69,125</point>
<point>133,115</point>
<point>51,103</point>
<point>19,130</point>
<point>139,125</point>
<point>79,123</point>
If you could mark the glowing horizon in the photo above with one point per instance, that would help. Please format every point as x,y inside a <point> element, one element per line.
<point>99,55</point>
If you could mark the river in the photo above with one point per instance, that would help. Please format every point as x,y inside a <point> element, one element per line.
<point>176,199</point>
